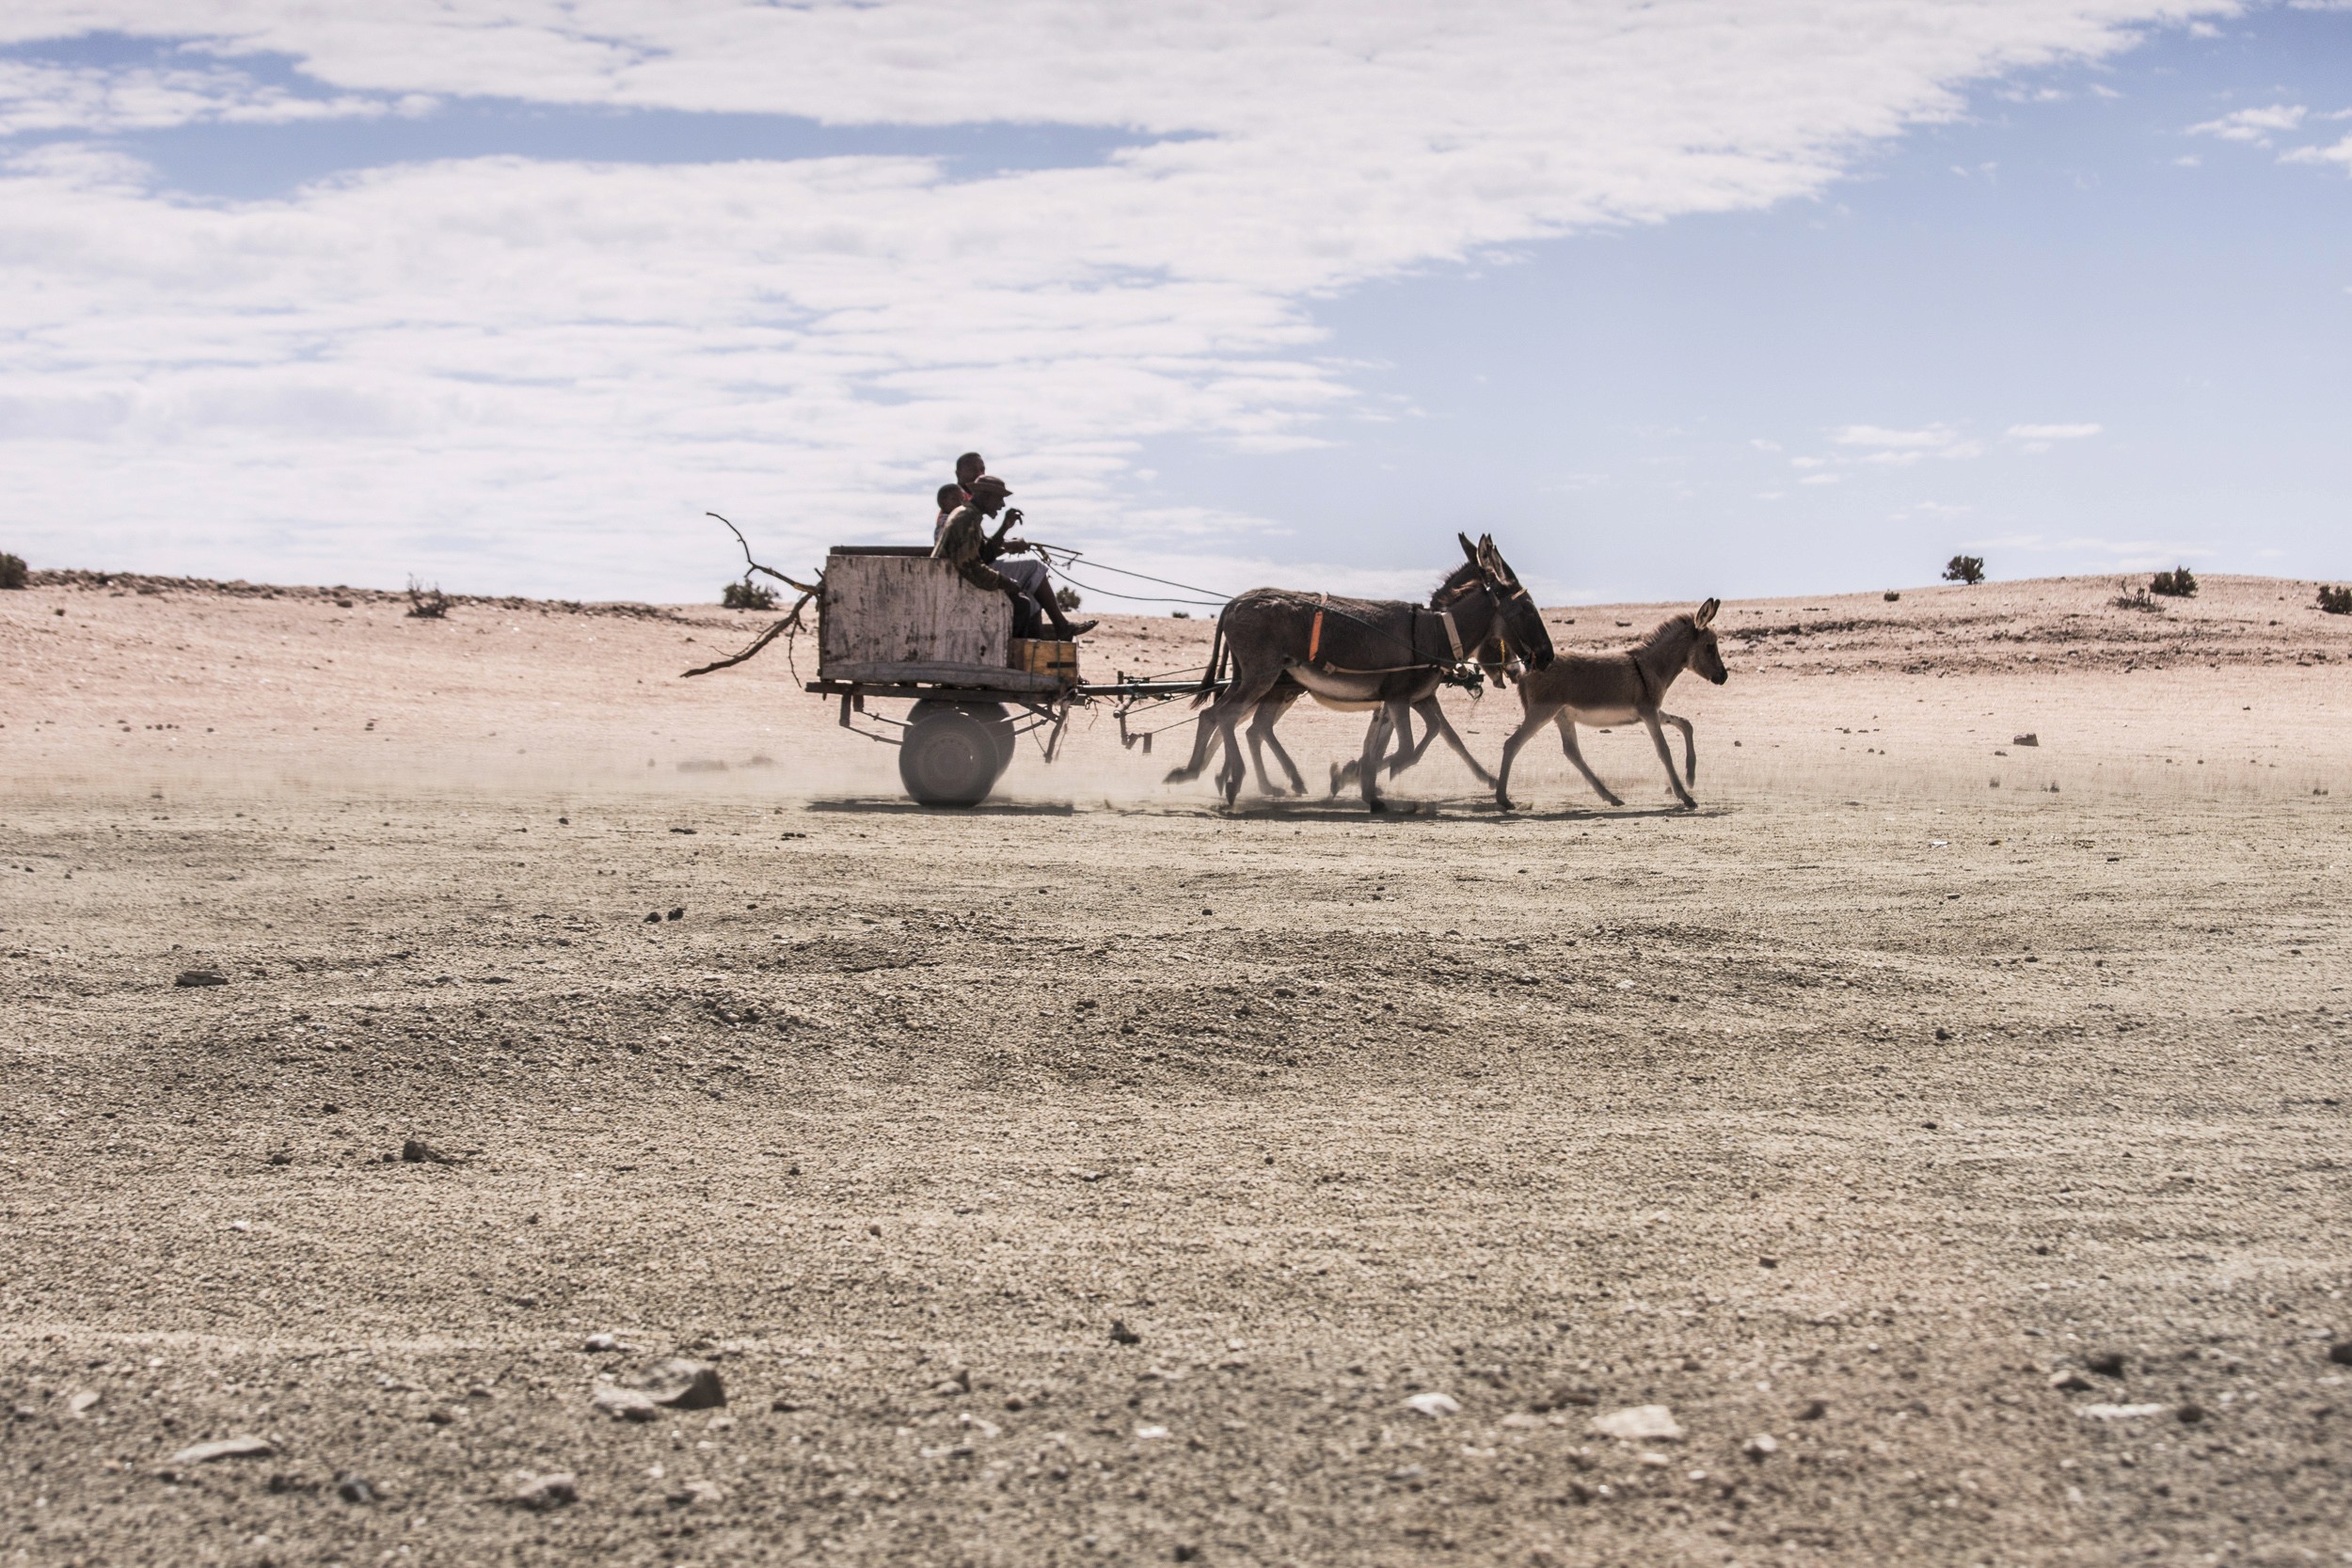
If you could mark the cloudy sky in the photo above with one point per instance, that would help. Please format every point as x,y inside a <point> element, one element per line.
<point>1672,297</point>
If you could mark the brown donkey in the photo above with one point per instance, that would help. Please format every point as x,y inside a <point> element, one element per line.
<point>1617,688</point>
<point>1357,654</point>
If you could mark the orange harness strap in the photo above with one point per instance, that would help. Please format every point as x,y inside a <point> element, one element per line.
<point>1314,633</point>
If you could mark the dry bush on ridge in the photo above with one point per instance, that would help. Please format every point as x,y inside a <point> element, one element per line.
<point>2178,583</point>
<point>1964,568</point>
<point>428,604</point>
<point>747,595</point>
<point>12,570</point>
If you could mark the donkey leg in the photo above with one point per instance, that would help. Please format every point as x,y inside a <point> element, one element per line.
<point>1376,742</point>
<point>1405,752</point>
<point>1433,719</point>
<point>1203,736</point>
<point>1666,755</point>
<point>1262,728</point>
<point>1690,750</point>
<point>1261,737</point>
<point>1568,744</point>
<point>1537,719</point>
<point>1274,744</point>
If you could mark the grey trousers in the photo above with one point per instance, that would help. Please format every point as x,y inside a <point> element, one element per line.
<point>1028,575</point>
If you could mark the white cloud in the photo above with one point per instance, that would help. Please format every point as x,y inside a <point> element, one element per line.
<point>2340,153</point>
<point>542,370</point>
<point>1878,435</point>
<point>1888,448</point>
<point>41,96</point>
<point>2253,125</point>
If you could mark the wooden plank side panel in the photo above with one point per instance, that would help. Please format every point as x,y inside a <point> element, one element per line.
<point>994,677</point>
<point>908,609</point>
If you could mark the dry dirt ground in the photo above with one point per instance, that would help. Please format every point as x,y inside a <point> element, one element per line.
<point>1096,1176</point>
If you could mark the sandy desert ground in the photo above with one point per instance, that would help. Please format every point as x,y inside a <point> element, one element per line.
<point>1101,1177</point>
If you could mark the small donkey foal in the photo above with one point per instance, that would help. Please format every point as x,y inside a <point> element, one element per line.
<point>1604,690</point>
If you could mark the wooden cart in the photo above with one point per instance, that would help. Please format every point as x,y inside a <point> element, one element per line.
<point>893,624</point>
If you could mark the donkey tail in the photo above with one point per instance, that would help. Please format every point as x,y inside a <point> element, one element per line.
<point>1209,676</point>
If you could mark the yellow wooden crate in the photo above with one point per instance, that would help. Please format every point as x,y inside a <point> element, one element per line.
<point>1039,657</point>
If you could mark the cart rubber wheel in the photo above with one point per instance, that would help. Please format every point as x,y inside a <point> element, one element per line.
<point>948,758</point>
<point>992,715</point>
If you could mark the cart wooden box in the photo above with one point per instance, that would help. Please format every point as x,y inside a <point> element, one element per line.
<point>892,625</point>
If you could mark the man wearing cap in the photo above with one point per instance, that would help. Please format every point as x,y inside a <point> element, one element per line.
<point>979,556</point>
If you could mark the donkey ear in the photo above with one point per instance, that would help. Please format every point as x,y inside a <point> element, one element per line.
<point>1706,617</point>
<point>1469,549</point>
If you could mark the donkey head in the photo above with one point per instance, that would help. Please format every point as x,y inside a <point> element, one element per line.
<point>1518,621</point>
<point>1705,658</point>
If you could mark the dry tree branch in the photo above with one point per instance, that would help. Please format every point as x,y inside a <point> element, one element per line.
<point>750,565</point>
<point>790,623</point>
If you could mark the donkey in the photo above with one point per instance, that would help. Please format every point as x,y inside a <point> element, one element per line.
<point>1617,688</point>
<point>1491,654</point>
<point>1359,653</point>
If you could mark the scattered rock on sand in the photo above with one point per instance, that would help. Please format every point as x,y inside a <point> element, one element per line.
<point>2069,1382</point>
<point>1639,1423</point>
<point>1433,1405</point>
<point>226,1448</point>
<point>1760,1447</point>
<point>1123,1335</point>
<point>201,977</point>
<point>682,1385</point>
<point>2106,1363</point>
<point>696,1493</point>
<point>2028,739</point>
<point>2118,1412</point>
<point>1814,1410</point>
<point>354,1489</point>
<point>540,1493</point>
<point>2341,1352</point>
<point>624,1404</point>
<point>602,1342</point>
<point>82,1403</point>
<point>1563,1397</point>
<point>418,1152</point>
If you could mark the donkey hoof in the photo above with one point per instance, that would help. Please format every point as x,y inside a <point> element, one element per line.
<point>1502,802</point>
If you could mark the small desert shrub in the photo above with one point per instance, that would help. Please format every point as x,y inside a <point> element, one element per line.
<point>1964,568</point>
<point>1067,597</point>
<point>429,603</point>
<point>2178,583</point>
<point>747,595</point>
<point>2135,599</point>
<point>1892,596</point>
<point>12,572</point>
<point>2335,601</point>
<point>1179,614</point>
